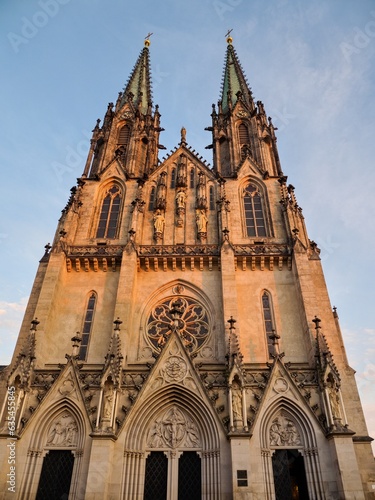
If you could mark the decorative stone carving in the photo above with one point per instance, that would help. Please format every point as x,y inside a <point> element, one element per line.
<point>175,369</point>
<point>63,431</point>
<point>283,432</point>
<point>67,387</point>
<point>281,385</point>
<point>174,429</point>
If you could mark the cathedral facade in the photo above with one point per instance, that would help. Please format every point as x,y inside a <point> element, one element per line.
<point>179,341</point>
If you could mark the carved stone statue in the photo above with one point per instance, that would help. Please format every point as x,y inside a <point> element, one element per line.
<point>201,221</point>
<point>108,402</point>
<point>159,222</point>
<point>180,200</point>
<point>334,400</point>
<point>237,404</point>
<point>183,135</point>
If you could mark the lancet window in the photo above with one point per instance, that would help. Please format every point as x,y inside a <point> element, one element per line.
<point>192,178</point>
<point>110,214</point>
<point>151,204</point>
<point>212,199</point>
<point>244,140</point>
<point>87,326</point>
<point>269,322</point>
<point>254,211</point>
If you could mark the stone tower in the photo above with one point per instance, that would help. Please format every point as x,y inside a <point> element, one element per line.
<point>179,342</point>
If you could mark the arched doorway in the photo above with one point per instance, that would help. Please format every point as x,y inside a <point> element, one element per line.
<point>289,475</point>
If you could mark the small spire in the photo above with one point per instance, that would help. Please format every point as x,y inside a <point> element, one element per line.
<point>234,85</point>
<point>138,87</point>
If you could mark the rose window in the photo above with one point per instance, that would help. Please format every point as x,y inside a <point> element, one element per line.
<point>184,315</point>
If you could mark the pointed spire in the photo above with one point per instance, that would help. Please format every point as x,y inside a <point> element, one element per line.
<point>138,87</point>
<point>234,85</point>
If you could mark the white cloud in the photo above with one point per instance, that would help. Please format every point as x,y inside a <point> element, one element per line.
<point>11,314</point>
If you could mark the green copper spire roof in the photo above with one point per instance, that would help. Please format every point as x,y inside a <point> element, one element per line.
<point>139,83</point>
<point>234,80</point>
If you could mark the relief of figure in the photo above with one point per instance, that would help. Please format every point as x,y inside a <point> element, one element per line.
<point>291,434</point>
<point>63,431</point>
<point>283,432</point>
<point>156,436</point>
<point>202,221</point>
<point>174,428</point>
<point>159,222</point>
<point>275,433</point>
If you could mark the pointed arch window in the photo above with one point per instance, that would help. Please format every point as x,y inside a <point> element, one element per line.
<point>110,214</point>
<point>243,133</point>
<point>87,326</point>
<point>254,211</point>
<point>212,199</point>
<point>151,204</point>
<point>173,178</point>
<point>124,135</point>
<point>192,178</point>
<point>269,322</point>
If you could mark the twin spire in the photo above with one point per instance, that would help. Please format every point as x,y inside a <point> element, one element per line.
<point>234,85</point>
<point>138,88</point>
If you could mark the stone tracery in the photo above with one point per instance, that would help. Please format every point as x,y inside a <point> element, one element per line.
<point>193,323</point>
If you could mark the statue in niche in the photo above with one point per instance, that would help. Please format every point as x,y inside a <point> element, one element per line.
<point>180,200</point>
<point>201,220</point>
<point>201,192</point>
<point>333,397</point>
<point>237,403</point>
<point>108,401</point>
<point>159,223</point>
<point>63,431</point>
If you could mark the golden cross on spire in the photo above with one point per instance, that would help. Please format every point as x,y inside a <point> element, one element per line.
<point>229,38</point>
<point>147,40</point>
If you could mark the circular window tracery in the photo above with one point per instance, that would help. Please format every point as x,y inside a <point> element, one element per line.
<point>184,315</point>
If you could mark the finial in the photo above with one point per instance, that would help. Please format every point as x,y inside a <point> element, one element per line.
<point>147,40</point>
<point>229,38</point>
<point>183,135</point>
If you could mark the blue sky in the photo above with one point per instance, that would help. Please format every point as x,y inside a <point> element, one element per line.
<point>312,65</point>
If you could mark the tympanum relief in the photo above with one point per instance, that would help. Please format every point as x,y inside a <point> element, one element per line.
<point>173,429</point>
